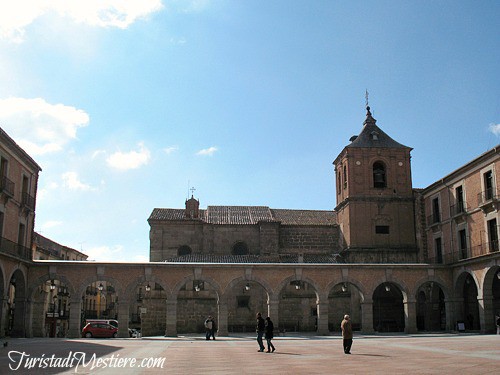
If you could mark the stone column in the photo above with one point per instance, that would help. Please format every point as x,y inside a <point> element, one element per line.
<point>410,307</point>
<point>222,324</point>
<point>18,329</point>
<point>322,311</point>
<point>123,319</point>
<point>3,315</point>
<point>273,313</point>
<point>486,314</point>
<point>367,316</point>
<point>75,318</point>
<point>171,318</point>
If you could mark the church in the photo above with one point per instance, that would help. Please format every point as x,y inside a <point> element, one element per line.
<point>393,257</point>
<point>379,219</point>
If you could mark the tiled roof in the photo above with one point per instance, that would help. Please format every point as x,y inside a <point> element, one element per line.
<point>280,258</point>
<point>237,214</point>
<point>366,138</point>
<point>245,215</point>
<point>305,217</point>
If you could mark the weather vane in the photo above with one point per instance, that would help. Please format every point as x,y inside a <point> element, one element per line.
<point>192,191</point>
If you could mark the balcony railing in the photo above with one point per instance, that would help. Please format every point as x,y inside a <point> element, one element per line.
<point>487,196</point>
<point>433,219</point>
<point>7,186</point>
<point>458,209</point>
<point>13,248</point>
<point>28,201</point>
<point>467,253</point>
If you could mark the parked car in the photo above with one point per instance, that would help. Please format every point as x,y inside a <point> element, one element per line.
<point>99,330</point>
<point>109,321</point>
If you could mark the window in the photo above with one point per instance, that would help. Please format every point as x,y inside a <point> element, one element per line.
<point>436,217</point>
<point>382,229</point>
<point>462,242</point>
<point>488,185</point>
<point>459,194</point>
<point>240,248</point>
<point>345,177</point>
<point>1,223</point>
<point>339,182</point>
<point>493,235</point>
<point>439,250</point>
<point>379,178</point>
<point>184,250</point>
<point>21,233</point>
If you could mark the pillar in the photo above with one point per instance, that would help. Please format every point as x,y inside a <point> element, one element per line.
<point>123,319</point>
<point>75,318</point>
<point>367,316</point>
<point>410,307</point>
<point>273,312</point>
<point>4,312</point>
<point>222,324</point>
<point>171,318</point>
<point>322,311</point>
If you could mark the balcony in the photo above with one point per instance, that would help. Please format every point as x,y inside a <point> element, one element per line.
<point>433,219</point>
<point>488,200</point>
<point>458,211</point>
<point>13,248</point>
<point>28,201</point>
<point>6,187</point>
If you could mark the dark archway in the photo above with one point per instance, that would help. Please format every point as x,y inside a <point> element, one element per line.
<point>471,304</point>
<point>246,299</point>
<point>431,311</point>
<point>196,300</point>
<point>298,307</point>
<point>149,310</point>
<point>344,298</point>
<point>388,309</point>
<point>16,305</point>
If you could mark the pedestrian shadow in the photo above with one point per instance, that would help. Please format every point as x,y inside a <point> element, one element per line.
<point>285,353</point>
<point>372,355</point>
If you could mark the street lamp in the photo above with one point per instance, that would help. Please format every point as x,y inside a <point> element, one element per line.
<point>52,285</point>
<point>100,287</point>
<point>344,287</point>
<point>247,287</point>
<point>148,287</point>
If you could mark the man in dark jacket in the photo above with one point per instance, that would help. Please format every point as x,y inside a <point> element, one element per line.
<point>346,334</point>
<point>260,328</point>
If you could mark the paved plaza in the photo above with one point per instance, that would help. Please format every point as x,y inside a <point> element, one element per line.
<point>374,354</point>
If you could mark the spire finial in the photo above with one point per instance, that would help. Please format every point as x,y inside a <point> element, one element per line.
<point>366,97</point>
<point>192,191</point>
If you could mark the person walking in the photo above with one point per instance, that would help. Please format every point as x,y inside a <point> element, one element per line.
<point>210,328</point>
<point>260,328</point>
<point>269,335</point>
<point>346,327</point>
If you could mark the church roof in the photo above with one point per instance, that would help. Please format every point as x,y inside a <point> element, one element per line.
<point>247,215</point>
<point>278,258</point>
<point>372,136</point>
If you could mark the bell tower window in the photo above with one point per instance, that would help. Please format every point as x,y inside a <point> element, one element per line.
<point>379,177</point>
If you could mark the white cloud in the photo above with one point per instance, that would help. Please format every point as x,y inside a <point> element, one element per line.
<point>104,253</point>
<point>207,151</point>
<point>40,127</point>
<point>49,224</point>
<point>495,129</point>
<point>71,181</point>
<point>169,150</point>
<point>17,15</point>
<point>129,160</point>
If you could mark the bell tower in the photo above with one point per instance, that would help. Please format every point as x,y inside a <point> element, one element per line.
<point>375,202</point>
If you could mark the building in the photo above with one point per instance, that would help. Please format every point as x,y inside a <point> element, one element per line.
<point>46,249</point>
<point>18,185</point>
<point>396,258</point>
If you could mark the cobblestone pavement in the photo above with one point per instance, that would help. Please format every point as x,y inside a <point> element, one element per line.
<point>391,354</point>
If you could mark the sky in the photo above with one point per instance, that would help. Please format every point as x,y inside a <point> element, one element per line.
<point>127,104</point>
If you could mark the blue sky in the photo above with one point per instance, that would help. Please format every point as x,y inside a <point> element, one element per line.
<point>126,104</point>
